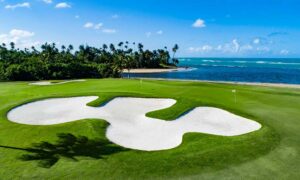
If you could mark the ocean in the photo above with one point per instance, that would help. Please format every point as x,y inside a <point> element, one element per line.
<point>268,70</point>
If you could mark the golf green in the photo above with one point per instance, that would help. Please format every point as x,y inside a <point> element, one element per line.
<point>80,149</point>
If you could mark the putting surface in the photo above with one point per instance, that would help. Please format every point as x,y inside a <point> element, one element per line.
<point>80,149</point>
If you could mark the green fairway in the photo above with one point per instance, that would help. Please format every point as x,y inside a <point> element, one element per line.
<point>79,149</point>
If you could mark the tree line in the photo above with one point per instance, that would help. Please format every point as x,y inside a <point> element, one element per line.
<point>51,62</point>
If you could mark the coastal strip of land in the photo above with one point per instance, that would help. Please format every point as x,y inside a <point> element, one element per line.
<point>160,70</point>
<point>281,85</point>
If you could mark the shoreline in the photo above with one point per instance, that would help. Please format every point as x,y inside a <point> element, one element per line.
<point>280,85</point>
<point>154,70</point>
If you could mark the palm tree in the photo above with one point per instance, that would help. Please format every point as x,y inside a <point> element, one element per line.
<point>128,64</point>
<point>104,47</point>
<point>63,48</point>
<point>70,47</point>
<point>12,45</point>
<point>112,48</point>
<point>121,44</point>
<point>175,49</point>
<point>140,47</point>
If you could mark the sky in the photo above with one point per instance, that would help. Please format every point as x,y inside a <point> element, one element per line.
<point>201,28</point>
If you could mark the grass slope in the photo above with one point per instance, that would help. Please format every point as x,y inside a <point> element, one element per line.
<point>42,152</point>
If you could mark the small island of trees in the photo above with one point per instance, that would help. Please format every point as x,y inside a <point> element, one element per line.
<point>49,62</point>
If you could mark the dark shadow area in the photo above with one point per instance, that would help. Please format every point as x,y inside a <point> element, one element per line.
<point>68,146</point>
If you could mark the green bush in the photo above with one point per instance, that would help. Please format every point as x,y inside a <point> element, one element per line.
<point>2,72</point>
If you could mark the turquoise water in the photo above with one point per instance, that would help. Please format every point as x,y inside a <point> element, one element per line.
<point>235,69</point>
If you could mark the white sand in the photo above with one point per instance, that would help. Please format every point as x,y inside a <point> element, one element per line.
<point>49,83</point>
<point>157,70</point>
<point>129,127</point>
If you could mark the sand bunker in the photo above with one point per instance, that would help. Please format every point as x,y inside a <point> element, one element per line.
<point>129,127</point>
<point>49,83</point>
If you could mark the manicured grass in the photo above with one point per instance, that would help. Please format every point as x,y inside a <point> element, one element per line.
<point>270,153</point>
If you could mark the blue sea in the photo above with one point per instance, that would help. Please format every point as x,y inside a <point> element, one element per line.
<point>235,69</point>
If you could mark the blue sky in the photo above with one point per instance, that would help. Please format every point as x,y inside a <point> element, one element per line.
<point>205,28</point>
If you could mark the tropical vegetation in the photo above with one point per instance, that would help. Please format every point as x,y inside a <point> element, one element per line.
<point>50,62</point>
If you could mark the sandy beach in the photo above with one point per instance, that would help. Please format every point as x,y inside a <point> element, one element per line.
<point>154,70</point>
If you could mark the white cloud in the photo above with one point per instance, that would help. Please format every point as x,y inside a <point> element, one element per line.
<point>109,31</point>
<point>263,49</point>
<point>236,45</point>
<point>233,47</point>
<point>284,52</point>
<point>21,33</point>
<point>62,5</point>
<point>207,48</point>
<point>98,26</point>
<point>21,38</point>
<point>199,23</point>
<point>246,47</point>
<point>256,41</point>
<point>48,1</point>
<point>201,49</point>
<point>160,32</point>
<point>19,5</point>
<point>77,16</point>
<point>88,25</point>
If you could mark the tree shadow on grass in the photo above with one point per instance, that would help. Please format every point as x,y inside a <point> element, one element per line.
<point>68,146</point>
